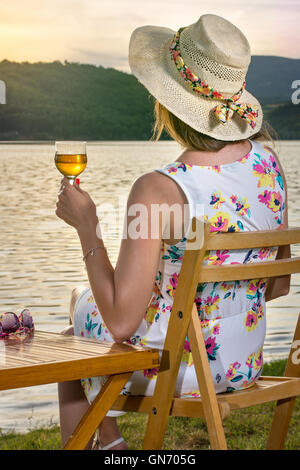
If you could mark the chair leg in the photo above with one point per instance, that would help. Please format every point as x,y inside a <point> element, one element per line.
<point>161,402</point>
<point>284,408</point>
<point>206,386</point>
<point>280,425</point>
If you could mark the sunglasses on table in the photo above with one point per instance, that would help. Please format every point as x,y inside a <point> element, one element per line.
<point>11,324</point>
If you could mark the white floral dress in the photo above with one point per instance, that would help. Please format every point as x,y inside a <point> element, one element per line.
<point>245,195</point>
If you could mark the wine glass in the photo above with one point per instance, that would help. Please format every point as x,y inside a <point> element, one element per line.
<point>70,158</point>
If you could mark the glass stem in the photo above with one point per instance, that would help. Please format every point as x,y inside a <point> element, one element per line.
<point>71,179</point>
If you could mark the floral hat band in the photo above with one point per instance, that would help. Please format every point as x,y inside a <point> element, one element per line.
<point>223,111</point>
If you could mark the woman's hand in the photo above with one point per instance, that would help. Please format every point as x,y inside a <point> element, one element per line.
<point>75,206</point>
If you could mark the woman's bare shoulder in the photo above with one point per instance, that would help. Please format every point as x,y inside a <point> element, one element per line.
<point>156,187</point>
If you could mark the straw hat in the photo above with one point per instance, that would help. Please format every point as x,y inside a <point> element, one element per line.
<point>194,71</point>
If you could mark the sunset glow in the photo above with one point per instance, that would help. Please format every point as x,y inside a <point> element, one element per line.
<point>98,31</point>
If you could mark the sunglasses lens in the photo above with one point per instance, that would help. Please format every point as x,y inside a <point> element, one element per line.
<point>9,322</point>
<point>26,318</point>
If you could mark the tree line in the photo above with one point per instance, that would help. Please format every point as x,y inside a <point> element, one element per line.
<point>50,101</point>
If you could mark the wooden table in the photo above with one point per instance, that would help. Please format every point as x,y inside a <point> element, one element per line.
<point>45,357</point>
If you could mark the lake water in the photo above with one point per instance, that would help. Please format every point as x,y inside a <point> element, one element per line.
<point>41,259</point>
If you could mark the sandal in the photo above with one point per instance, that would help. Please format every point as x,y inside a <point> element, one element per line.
<point>96,444</point>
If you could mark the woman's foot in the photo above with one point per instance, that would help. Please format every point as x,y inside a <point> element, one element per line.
<point>108,434</point>
<point>118,444</point>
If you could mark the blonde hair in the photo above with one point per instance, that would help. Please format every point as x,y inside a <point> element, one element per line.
<point>191,139</point>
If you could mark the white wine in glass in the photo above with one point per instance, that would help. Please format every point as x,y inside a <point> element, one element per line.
<point>70,158</point>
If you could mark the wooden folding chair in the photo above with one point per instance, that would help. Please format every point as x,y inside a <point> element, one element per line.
<point>184,321</point>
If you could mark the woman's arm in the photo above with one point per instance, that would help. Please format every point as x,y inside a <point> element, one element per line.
<point>121,294</point>
<point>280,286</point>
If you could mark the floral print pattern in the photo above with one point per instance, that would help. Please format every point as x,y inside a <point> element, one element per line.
<point>274,201</point>
<point>173,253</point>
<point>216,199</point>
<point>245,195</point>
<point>221,222</point>
<point>178,166</point>
<point>241,205</point>
<point>235,375</point>
<point>268,174</point>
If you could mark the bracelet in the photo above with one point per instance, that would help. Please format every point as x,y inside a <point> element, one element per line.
<point>92,251</point>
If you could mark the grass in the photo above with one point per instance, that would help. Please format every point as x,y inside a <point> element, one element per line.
<point>244,429</point>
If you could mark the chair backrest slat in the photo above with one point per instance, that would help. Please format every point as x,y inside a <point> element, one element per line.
<point>255,239</point>
<point>257,270</point>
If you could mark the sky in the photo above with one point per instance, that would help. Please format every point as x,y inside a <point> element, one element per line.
<point>98,31</point>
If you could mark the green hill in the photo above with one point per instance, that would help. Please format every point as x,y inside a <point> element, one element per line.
<point>67,101</point>
<point>285,118</point>
<point>48,101</point>
<point>270,78</point>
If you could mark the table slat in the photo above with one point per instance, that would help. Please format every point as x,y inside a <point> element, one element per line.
<point>51,357</point>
